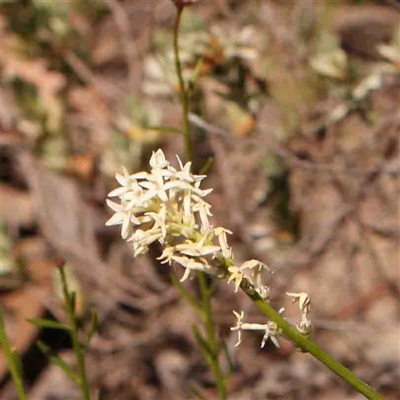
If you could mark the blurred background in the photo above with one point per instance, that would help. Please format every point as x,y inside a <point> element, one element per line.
<point>297,103</point>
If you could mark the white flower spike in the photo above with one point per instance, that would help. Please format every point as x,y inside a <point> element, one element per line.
<point>167,205</point>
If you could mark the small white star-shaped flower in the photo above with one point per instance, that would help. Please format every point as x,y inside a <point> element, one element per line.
<point>271,329</point>
<point>238,326</point>
<point>158,160</point>
<point>197,249</point>
<point>121,217</point>
<point>236,275</point>
<point>142,239</point>
<point>303,299</point>
<point>223,242</point>
<point>190,264</point>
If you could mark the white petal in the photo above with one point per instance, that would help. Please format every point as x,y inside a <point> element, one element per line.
<point>176,185</point>
<point>147,185</point>
<point>275,341</point>
<point>203,193</point>
<point>239,338</point>
<point>179,162</point>
<point>162,195</point>
<point>121,179</point>
<point>185,275</point>
<point>114,206</point>
<point>125,228</point>
<point>158,160</point>
<point>116,219</point>
<point>118,192</point>
<point>126,173</point>
<point>135,220</point>
<point>140,175</point>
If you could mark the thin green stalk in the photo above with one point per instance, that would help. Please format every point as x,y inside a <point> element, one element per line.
<point>311,347</point>
<point>205,293</point>
<point>78,349</point>
<point>182,88</point>
<point>211,337</point>
<point>13,361</point>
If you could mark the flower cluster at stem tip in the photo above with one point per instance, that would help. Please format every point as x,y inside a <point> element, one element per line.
<point>166,205</point>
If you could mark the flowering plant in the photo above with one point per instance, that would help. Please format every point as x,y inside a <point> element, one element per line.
<point>166,205</point>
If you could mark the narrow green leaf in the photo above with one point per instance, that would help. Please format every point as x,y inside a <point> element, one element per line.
<point>94,320</point>
<point>231,363</point>
<point>206,167</point>
<point>202,342</point>
<point>14,361</point>
<point>211,287</point>
<point>17,361</point>
<point>72,300</point>
<point>195,391</point>
<point>99,394</point>
<point>58,361</point>
<point>195,73</point>
<point>166,129</point>
<point>1,319</point>
<point>48,323</point>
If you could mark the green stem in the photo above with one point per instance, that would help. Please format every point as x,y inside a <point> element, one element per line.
<point>205,292</point>
<point>12,360</point>
<point>211,337</point>
<point>182,88</point>
<point>78,349</point>
<point>311,347</point>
